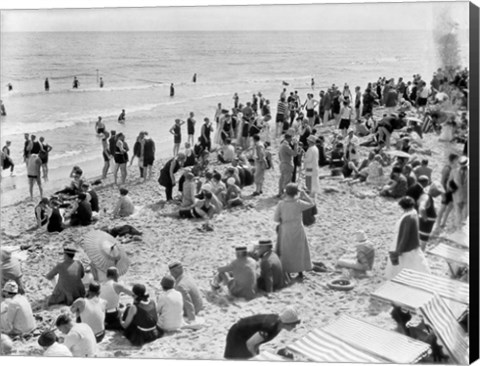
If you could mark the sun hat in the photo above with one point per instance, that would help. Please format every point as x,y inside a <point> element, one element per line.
<point>463,161</point>
<point>207,187</point>
<point>231,180</point>
<point>360,236</point>
<point>174,265</point>
<point>264,243</point>
<point>312,139</point>
<point>423,178</point>
<point>240,249</point>
<point>435,190</point>
<point>69,250</point>
<point>289,316</point>
<point>167,282</point>
<point>11,287</point>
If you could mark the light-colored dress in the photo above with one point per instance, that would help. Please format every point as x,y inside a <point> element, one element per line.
<point>292,244</point>
<point>414,259</point>
<point>311,168</point>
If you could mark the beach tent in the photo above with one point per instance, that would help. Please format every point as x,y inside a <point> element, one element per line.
<point>352,340</point>
<point>450,254</point>
<point>268,356</point>
<point>437,314</point>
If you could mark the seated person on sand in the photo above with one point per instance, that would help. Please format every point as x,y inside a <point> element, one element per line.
<point>69,285</point>
<point>239,276</point>
<point>272,277</point>
<point>362,260</point>
<point>79,337</point>
<point>55,221</point>
<point>190,160</point>
<point>75,186</point>
<point>374,172</point>
<point>218,187</point>
<point>423,169</point>
<point>336,157</point>
<point>49,342</point>
<point>233,195</point>
<point>169,306</point>
<point>189,190</point>
<point>232,172</point>
<point>92,196</point>
<point>192,299</point>
<point>11,270</point>
<point>82,213</point>
<point>42,212</point>
<point>91,310</point>
<point>16,313</point>
<point>407,171</point>
<point>140,318</point>
<point>227,152</point>
<point>110,292</point>
<point>201,209</point>
<point>350,169</point>
<point>124,206</point>
<point>397,187</point>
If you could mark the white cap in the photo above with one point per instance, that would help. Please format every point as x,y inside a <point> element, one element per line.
<point>289,315</point>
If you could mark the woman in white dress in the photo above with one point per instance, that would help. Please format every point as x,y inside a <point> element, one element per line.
<point>405,249</point>
<point>311,166</point>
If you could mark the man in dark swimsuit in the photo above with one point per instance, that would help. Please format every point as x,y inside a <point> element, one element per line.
<point>148,156</point>
<point>191,128</point>
<point>172,90</point>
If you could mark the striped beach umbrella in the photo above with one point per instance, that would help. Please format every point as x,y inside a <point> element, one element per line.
<point>105,251</point>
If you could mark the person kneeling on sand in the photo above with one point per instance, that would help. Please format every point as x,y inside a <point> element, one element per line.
<point>169,306</point>
<point>192,299</point>
<point>91,310</point>
<point>49,341</point>
<point>110,292</point>
<point>247,335</point>
<point>239,276</point>
<point>79,337</point>
<point>124,206</point>
<point>272,276</point>
<point>16,314</point>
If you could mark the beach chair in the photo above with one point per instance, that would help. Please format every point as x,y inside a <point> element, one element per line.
<point>411,298</point>
<point>459,257</point>
<point>438,316</point>
<point>268,356</point>
<point>445,287</point>
<point>351,340</point>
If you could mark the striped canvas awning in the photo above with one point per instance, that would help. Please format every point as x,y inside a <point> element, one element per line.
<point>386,344</point>
<point>440,318</point>
<point>319,346</point>
<point>268,356</point>
<point>445,287</point>
<point>451,254</point>
<point>412,298</point>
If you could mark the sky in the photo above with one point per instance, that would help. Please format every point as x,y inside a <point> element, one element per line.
<point>314,16</point>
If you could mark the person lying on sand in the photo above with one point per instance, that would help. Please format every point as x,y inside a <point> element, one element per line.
<point>239,276</point>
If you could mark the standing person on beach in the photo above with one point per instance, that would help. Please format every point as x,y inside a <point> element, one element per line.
<point>286,152</point>
<point>7,160</point>
<point>327,105</point>
<point>99,126</point>
<point>405,249</point>
<point>345,118</point>
<point>358,103</point>
<point>43,155</point>
<point>447,197</point>
<point>138,152</point>
<point>311,167</point>
<point>367,100</point>
<point>309,106</point>
<point>107,155</point>
<point>206,131</point>
<point>120,157</point>
<point>281,116</point>
<point>167,174</point>
<point>459,183</point>
<point>34,164</point>
<point>191,128</point>
<point>69,286</point>
<point>260,165</point>
<point>292,243</point>
<point>247,335</point>
<point>47,85</point>
<point>148,156</point>
<point>176,131</point>
<point>172,90</point>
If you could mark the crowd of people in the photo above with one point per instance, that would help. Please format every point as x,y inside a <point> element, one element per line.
<point>240,144</point>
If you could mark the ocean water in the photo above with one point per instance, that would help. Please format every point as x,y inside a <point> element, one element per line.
<point>138,67</point>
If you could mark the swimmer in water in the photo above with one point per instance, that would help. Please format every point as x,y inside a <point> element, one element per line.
<point>100,126</point>
<point>101,82</point>
<point>121,117</point>
<point>10,87</point>
<point>76,83</point>
<point>47,85</point>
<point>172,90</point>
<point>3,112</point>
<point>195,78</point>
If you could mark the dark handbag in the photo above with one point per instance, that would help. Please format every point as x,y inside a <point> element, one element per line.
<point>394,258</point>
<point>453,186</point>
<point>308,216</point>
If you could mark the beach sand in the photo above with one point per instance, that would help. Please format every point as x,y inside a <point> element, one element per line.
<point>340,214</point>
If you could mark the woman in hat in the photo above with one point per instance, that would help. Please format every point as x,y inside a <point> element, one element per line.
<point>140,318</point>
<point>69,285</point>
<point>311,166</point>
<point>405,250</point>
<point>167,174</point>
<point>292,243</point>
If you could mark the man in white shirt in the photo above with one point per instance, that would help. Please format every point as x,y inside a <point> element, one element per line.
<point>48,340</point>
<point>16,314</point>
<point>80,339</point>
<point>170,306</point>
